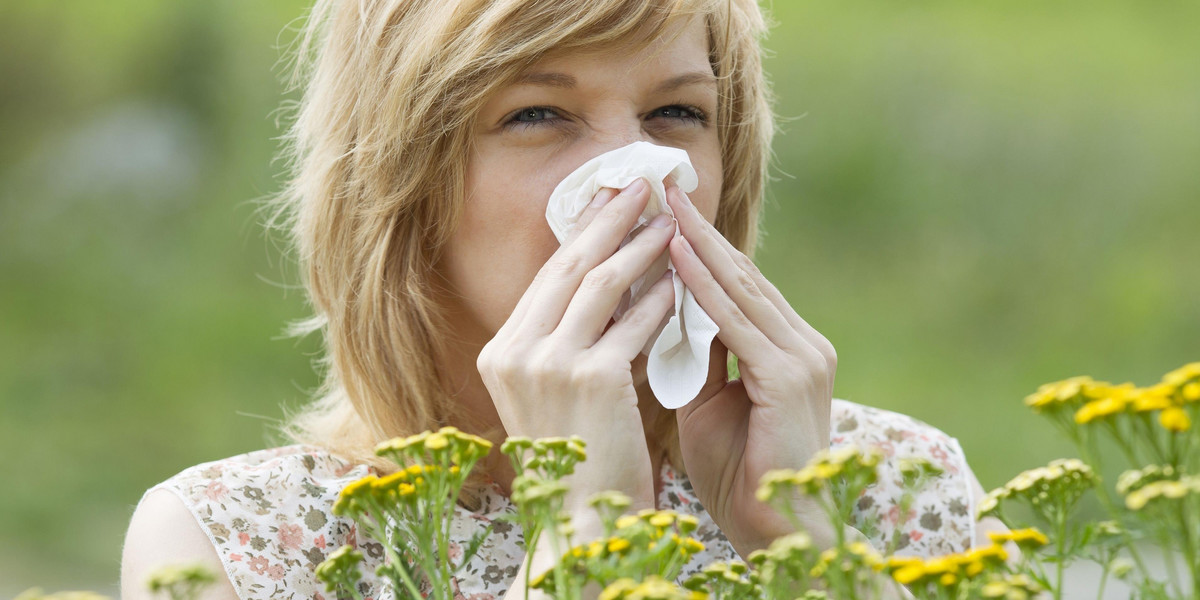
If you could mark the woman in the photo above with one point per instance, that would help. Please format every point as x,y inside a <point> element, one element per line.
<point>428,141</point>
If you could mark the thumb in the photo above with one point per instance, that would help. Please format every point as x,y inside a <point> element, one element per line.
<point>718,377</point>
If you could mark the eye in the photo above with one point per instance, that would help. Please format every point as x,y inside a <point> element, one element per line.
<point>531,116</point>
<point>685,113</point>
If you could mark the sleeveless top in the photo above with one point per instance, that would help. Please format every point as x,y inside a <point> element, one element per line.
<point>269,515</point>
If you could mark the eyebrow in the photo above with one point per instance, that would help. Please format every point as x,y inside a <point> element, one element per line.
<point>564,81</point>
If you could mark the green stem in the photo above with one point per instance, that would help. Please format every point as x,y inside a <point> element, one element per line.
<point>1060,541</point>
<point>1164,542</point>
<point>1091,456</point>
<point>376,528</point>
<point>1103,575</point>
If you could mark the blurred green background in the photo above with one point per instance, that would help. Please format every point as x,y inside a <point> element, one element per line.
<point>971,199</point>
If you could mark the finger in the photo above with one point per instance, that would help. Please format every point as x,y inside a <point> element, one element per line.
<point>601,198</point>
<point>736,330</point>
<point>556,282</point>
<point>629,334</point>
<point>603,287</point>
<point>739,285</point>
<point>765,286</point>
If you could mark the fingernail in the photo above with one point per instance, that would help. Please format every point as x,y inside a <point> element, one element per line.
<point>602,197</point>
<point>636,187</point>
<point>661,221</point>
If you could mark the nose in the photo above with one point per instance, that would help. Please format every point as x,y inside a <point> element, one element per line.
<point>616,132</point>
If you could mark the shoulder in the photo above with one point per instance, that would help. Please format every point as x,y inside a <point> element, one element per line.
<point>895,434</point>
<point>265,516</point>
<point>162,531</point>
<point>939,518</point>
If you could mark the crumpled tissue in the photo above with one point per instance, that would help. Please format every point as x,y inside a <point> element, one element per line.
<point>677,361</point>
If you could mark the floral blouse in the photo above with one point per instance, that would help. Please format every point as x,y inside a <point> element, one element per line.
<point>268,512</point>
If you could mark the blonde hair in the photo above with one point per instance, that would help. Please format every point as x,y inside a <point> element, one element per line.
<point>377,158</point>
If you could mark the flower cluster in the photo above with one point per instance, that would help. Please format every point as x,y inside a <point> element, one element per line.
<point>721,580</point>
<point>1165,399</point>
<point>1165,489</point>
<point>1062,482</point>
<point>446,446</point>
<point>180,581</point>
<point>176,581</point>
<point>1151,428</point>
<point>1065,394</point>
<point>825,469</point>
<point>412,508</point>
<point>651,588</point>
<point>636,547</point>
<point>1135,479</point>
<point>1010,587</point>
<point>640,555</point>
<point>340,569</point>
<point>833,478</point>
<point>953,575</point>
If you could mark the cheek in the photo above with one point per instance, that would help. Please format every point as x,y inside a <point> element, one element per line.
<point>501,242</point>
<point>708,195</point>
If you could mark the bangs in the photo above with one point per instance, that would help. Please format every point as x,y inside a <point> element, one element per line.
<point>566,25</point>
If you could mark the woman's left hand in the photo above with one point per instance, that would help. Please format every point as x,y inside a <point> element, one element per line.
<point>776,415</point>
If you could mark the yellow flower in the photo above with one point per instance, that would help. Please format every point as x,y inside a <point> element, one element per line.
<point>994,589</point>
<point>349,495</point>
<point>436,441</point>
<point>1120,567</point>
<point>1136,500</point>
<point>898,562</point>
<point>948,580</point>
<point>687,523</point>
<point>626,521</point>
<point>612,500</point>
<point>656,588</point>
<point>620,588</point>
<point>1060,392</point>
<point>973,567</point>
<point>909,573</point>
<point>1025,538</point>
<point>1191,391</point>
<point>940,564</point>
<point>691,545</point>
<point>617,544</point>
<point>1182,375</point>
<point>1097,409</point>
<point>827,470</point>
<point>1175,419</point>
<point>170,576</point>
<point>662,519</point>
<point>1171,489</point>
<point>1151,400</point>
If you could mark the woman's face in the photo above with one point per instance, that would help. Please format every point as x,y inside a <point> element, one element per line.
<point>565,110</point>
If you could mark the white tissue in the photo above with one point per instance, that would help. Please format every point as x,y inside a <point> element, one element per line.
<point>677,362</point>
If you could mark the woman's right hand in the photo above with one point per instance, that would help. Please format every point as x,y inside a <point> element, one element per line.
<point>556,367</point>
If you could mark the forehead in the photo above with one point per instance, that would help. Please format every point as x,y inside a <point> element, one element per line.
<point>682,45</point>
